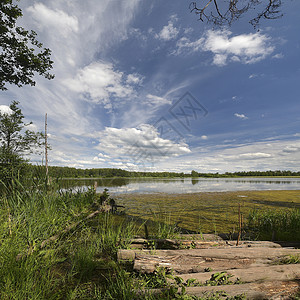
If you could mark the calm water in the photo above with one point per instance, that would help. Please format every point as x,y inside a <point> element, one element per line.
<point>186,185</point>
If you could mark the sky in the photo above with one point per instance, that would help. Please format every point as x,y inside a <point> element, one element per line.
<point>145,86</point>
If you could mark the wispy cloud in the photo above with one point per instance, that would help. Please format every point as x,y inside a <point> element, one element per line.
<point>56,19</point>
<point>256,155</point>
<point>156,100</point>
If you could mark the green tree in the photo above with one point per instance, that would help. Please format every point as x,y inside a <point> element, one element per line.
<point>21,55</point>
<point>16,141</point>
<point>194,174</point>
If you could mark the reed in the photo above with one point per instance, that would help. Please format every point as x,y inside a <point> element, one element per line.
<point>275,224</point>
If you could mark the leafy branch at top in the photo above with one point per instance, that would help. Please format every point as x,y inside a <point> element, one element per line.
<point>21,54</point>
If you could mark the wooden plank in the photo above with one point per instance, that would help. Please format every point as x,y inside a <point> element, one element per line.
<point>183,265</point>
<point>265,290</point>
<point>254,274</point>
<point>227,253</point>
<point>250,290</point>
<point>196,244</point>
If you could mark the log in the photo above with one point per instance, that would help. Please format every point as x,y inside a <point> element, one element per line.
<point>226,253</point>
<point>67,229</point>
<point>250,290</point>
<point>184,265</point>
<point>254,274</point>
<point>141,243</point>
<point>203,237</point>
<point>268,290</point>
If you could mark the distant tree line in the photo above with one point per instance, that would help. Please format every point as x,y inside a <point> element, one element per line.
<point>247,173</point>
<point>68,172</point>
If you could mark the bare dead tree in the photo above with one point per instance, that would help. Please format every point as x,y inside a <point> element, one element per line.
<point>46,151</point>
<point>226,12</point>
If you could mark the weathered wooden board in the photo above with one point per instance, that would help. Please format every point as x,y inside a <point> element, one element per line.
<point>254,274</point>
<point>185,264</point>
<point>226,253</point>
<point>265,290</point>
<point>141,243</point>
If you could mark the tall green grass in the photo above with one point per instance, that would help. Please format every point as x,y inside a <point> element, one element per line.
<point>275,224</point>
<point>67,266</point>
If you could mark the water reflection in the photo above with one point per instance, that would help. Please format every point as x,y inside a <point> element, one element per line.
<point>186,185</point>
<point>194,181</point>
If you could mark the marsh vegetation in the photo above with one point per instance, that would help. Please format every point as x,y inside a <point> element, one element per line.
<point>217,212</point>
<point>81,263</point>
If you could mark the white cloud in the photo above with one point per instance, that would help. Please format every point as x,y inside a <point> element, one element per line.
<point>184,44</point>
<point>156,100</point>
<point>241,116</point>
<point>138,145</point>
<point>291,149</point>
<point>79,34</point>
<point>169,32</point>
<point>244,48</point>
<point>101,155</point>
<point>278,56</point>
<point>257,155</point>
<point>252,76</point>
<point>56,20</point>
<point>204,137</point>
<point>249,48</point>
<point>134,79</point>
<point>4,109</point>
<point>98,159</point>
<point>98,82</point>
<point>32,127</point>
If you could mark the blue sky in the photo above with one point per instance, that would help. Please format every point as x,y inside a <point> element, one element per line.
<point>144,85</point>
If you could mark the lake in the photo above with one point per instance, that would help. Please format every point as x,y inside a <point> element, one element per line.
<point>204,204</point>
<point>184,185</point>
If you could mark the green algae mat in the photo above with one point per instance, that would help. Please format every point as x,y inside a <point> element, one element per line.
<point>209,211</point>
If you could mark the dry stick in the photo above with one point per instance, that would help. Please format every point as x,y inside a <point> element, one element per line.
<point>146,232</point>
<point>70,227</point>
<point>9,217</point>
<point>240,226</point>
<point>55,237</point>
<point>9,224</point>
<point>46,150</point>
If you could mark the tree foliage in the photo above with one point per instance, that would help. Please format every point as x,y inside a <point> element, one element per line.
<point>70,172</point>
<point>16,140</point>
<point>21,54</point>
<point>226,12</point>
